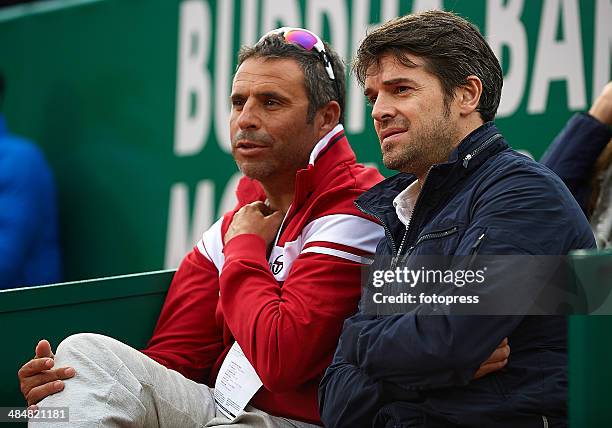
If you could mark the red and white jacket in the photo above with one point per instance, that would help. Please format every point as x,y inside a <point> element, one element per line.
<point>287,311</point>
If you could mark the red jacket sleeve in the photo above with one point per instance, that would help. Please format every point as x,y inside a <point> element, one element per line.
<point>287,332</point>
<point>187,338</point>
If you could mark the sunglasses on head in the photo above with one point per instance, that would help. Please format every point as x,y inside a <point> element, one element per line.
<point>307,40</point>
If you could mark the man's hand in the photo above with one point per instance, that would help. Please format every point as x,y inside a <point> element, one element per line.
<point>37,379</point>
<point>497,360</point>
<point>602,107</point>
<point>256,218</point>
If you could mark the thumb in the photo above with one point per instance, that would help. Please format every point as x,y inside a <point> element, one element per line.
<point>43,349</point>
<point>276,217</point>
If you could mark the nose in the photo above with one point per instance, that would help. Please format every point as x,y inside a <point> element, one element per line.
<point>248,117</point>
<point>382,109</point>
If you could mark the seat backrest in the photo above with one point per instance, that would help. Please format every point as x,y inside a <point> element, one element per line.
<point>125,307</point>
<point>590,347</point>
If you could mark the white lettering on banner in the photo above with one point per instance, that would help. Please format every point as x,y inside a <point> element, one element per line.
<point>421,5</point>
<point>336,14</point>
<point>558,60</point>
<point>180,238</point>
<point>505,29</point>
<point>229,200</point>
<point>192,121</point>
<point>355,105</point>
<point>182,234</point>
<point>223,72</point>
<point>248,22</point>
<point>527,81</point>
<point>602,56</point>
<point>279,13</point>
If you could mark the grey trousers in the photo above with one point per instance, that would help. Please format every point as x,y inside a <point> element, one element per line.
<point>118,386</point>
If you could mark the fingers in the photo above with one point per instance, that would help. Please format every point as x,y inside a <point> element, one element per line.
<point>35,366</point>
<point>500,354</point>
<point>487,368</point>
<point>40,392</point>
<point>46,377</point>
<point>36,375</point>
<point>262,207</point>
<point>496,361</point>
<point>276,217</point>
<point>43,349</point>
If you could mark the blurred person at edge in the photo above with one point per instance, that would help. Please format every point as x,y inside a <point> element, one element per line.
<point>29,242</point>
<point>582,156</point>
<point>280,292</point>
<point>435,85</point>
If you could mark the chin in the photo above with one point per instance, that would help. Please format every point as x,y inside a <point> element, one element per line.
<point>257,172</point>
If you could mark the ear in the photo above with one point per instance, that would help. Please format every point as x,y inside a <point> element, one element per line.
<point>468,95</point>
<point>327,118</point>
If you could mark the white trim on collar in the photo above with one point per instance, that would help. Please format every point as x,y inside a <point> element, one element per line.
<point>323,143</point>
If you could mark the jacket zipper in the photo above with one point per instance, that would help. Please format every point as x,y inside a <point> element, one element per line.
<point>414,211</point>
<point>278,234</point>
<point>395,259</point>
<point>397,253</point>
<point>489,141</point>
<point>428,236</point>
<point>432,235</point>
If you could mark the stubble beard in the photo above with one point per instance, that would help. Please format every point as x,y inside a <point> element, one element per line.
<point>257,170</point>
<point>422,148</point>
<point>279,163</point>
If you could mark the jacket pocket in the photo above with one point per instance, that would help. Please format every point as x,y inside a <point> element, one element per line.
<point>435,242</point>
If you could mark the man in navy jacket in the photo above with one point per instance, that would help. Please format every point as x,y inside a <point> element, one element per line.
<point>434,86</point>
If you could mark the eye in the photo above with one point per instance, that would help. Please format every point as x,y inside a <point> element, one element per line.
<point>371,100</point>
<point>271,102</point>
<point>402,89</point>
<point>237,102</point>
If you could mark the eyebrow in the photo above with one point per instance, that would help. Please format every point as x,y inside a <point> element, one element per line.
<point>264,94</point>
<point>399,80</point>
<point>272,94</point>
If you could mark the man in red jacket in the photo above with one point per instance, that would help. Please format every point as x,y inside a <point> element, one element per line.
<point>268,286</point>
<point>254,312</point>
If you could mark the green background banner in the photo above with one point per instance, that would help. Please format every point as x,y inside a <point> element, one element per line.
<point>129,101</point>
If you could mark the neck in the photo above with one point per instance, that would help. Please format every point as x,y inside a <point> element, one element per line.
<point>279,193</point>
<point>468,126</point>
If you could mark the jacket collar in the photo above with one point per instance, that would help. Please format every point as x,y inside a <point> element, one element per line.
<point>473,151</point>
<point>329,152</point>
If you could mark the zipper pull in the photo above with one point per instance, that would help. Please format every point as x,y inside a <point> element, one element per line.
<point>477,244</point>
<point>466,160</point>
<point>474,250</point>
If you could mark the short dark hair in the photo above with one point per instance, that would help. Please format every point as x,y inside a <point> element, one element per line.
<point>451,48</point>
<point>319,87</point>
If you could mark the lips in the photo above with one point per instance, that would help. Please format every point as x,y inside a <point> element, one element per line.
<point>249,148</point>
<point>249,145</point>
<point>389,133</point>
